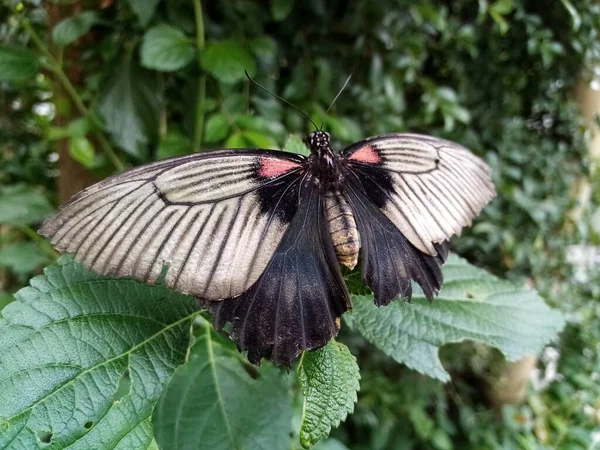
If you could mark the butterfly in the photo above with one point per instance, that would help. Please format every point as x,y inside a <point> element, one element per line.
<point>258,236</point>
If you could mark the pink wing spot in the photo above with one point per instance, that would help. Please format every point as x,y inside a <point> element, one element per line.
<point>366,154</point>
<point>273,167</point>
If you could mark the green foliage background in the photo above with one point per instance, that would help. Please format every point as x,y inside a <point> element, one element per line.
<point>497,76</point>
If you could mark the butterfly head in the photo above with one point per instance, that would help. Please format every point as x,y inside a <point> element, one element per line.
<point>320,142</point>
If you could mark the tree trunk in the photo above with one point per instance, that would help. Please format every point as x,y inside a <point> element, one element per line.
<point>511,387</point>
<point>589,102</point>
<point>73,176</point>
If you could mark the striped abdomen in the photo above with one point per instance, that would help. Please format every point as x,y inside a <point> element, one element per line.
<point>342,228</point>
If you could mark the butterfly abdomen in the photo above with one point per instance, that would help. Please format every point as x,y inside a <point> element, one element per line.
<point>342,228</point>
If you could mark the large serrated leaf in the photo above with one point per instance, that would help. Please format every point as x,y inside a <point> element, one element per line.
<point>212,403</point>
<point>329,378</point>
<point>472,305</point>
<point>84,359</point>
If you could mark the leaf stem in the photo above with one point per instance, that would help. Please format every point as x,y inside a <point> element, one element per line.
<point>200,99</point>
<point>54,66</point>
<point>43,243</point>
<point>199,24</point>
<point>199,125</point>
<point>300,363</point>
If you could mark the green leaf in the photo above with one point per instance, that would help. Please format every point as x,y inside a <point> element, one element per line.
<point>344,129</point>
<point>130,106</point>
<point>472,305</point>
<point>18,64</point>
<point>461,114</point>
<point>295,145</point>
<point>212,403</point>
<point>503,7</point>
<point>264,47</point>
<point>500,9</point>
<point>280,9</point>
<point>23,205</point>
<point>259,140</point>
<point>5,299</point>
<point>82,151</point>
<point>575,16</point>
<point>166,48</point>
<point>84,359</point>
<point>77,128</point>
<point>250,139</point>
<point>329,378</point>
<point>217,127</point>
<point>174,143</point>
<point>330,444</point>
<point>72,28</point>
<point>227,60</point>
<point>22,257</point>
<point>144,10</point>
<point>236,140</point>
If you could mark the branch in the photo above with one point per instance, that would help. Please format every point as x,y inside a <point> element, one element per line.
<point>54,66</point>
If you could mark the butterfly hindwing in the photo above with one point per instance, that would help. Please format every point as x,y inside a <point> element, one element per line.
<point>389,260</point>
<point>297,302</point>
<point>214,218</point>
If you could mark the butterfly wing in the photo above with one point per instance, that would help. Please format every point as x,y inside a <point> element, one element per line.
<point>410,193</point>
<point>297,302</point>
<point>429,188</point>
<point>214,218</point>
<point>389,260</point>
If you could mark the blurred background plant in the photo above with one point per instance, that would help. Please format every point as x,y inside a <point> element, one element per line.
<point>88,87</point>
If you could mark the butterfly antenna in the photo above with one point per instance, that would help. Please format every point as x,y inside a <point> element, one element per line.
<point>282,99</point>
<point>336,97</point>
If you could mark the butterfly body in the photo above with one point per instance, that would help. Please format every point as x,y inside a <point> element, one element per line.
<point>342,228</point>
<point>258,236</point>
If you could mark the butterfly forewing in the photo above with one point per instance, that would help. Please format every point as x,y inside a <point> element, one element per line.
<point>429,188</point>
<point>215,219</point>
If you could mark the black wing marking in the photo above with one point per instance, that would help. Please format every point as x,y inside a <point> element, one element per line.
<point>389,260</point>
<point>429,188</point>
<point>214,218</point>
<point>296,303</point>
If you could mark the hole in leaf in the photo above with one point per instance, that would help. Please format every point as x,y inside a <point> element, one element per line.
<point>469,295</point>
<point>89,424</point>
<point>44,436</point>
<point>124,387</point>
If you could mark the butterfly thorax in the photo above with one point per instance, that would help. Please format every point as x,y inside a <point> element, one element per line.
<point>323,162</point>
